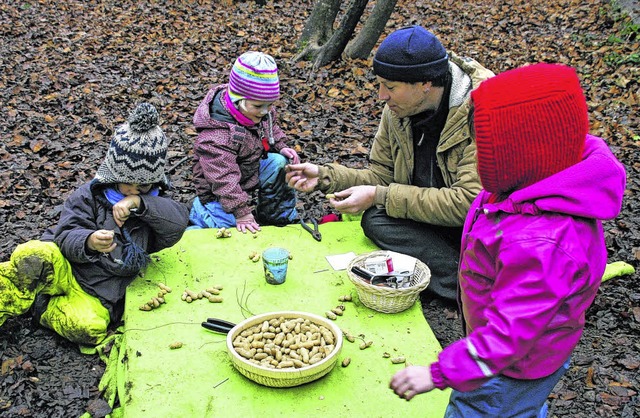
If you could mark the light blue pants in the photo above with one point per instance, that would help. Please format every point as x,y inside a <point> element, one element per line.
<point>276,200</point>
<point>505,397</point>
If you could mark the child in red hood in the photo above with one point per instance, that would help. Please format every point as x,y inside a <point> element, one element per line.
<point>533,249</point>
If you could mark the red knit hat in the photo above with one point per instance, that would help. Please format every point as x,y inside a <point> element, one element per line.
<point>530,123</point>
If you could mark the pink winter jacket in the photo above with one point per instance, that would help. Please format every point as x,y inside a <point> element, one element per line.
<point>530,267</point>
<point>226,155</point>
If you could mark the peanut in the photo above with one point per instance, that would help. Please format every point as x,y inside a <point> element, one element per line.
<point>164,287</point>
<point>223,233</point>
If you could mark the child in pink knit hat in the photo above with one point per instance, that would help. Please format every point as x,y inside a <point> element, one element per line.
<point>533,249</point>
<point>240,153</point>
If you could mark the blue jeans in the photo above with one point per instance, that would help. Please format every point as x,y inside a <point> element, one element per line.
<point>276,200</point>
<point>505,397</point>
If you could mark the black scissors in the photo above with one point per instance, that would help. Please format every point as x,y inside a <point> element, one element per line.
<point>315,233</point>
<point>218,325</point>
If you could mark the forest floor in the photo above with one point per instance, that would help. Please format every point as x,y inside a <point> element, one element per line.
<point>71,71</point>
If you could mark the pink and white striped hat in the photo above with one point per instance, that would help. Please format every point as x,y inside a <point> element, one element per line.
<point>254,76</point>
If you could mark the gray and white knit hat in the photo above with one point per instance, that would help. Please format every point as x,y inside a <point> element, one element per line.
<point>138,150</point>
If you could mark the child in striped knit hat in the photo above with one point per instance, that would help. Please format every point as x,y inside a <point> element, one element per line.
<point>240,151</point>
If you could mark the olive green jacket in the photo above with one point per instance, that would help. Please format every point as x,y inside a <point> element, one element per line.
<point>391,160</point>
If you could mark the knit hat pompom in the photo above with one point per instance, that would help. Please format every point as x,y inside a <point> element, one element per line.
<point>143,118</point>
<point>137,152</point>
<point>530,123</point>
<point>254,76</point>
<point>411,55</point>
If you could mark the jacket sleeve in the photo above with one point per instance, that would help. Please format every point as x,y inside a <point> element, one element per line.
<point>217,159</point>
<point>527,297</point>
<point>446,206</point>
<point>167,219</point>
<point>77,222</point>
<point>335,177</point>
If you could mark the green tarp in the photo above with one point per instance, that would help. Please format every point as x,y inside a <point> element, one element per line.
<point>198,380</point>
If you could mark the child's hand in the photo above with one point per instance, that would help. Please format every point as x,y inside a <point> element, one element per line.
<point>411,381</point>
<point>122,209</point>
<point>291,154</point>
<point>247,223</point>
<point>101,241</point>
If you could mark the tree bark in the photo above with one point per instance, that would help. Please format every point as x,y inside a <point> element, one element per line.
<point>318,28</point>
<point>332,50</point>
<point>360,47</point>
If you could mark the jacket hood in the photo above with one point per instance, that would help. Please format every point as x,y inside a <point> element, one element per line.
<point>592,188</point>
<point>202,118</point>
<point>211,115</point>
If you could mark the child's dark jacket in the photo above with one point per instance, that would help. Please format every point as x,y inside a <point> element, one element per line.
<point>160,225</point>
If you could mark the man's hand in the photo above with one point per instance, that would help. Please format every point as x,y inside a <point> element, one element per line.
<point>101,241</point>
<point>122,209</point>
<point>290,154</point>
<point>355,199</point>
<point>247,223</point>
<point>302,177</point>
<point>412,381</point>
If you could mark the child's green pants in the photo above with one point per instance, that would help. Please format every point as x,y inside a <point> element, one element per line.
<point>39,267</point>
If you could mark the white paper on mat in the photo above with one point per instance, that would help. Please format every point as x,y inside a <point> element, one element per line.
<point>340,261</point>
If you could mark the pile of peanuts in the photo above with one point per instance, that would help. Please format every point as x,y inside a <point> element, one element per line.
<point>156,301</point>
<point>223,233</point>
<point>282,343</point>
<point>211,294</point>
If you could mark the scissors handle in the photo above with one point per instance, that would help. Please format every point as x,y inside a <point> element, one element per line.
<point>218,325</point>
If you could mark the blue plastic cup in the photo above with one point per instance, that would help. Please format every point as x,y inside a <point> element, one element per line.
<point>275,261</point>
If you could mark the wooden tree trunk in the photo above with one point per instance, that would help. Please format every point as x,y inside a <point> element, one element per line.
<point>332,50</point>
<point>318,28</point>
<point>360,47</point>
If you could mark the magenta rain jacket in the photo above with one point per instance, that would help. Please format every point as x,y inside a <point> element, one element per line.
<point>530,267</point>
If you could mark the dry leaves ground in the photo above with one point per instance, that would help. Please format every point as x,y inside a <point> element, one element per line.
<point>70,71</point>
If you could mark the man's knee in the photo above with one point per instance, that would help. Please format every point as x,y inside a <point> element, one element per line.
<point>371,225</point>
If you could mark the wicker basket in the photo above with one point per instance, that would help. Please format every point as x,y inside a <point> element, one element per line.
<point>386,299</point>
<point>288,377</point>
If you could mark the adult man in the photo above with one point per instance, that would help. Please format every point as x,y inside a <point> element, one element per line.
<point>422,175</point>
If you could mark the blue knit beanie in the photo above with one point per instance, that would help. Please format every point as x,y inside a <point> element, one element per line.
<point>410,54</point>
